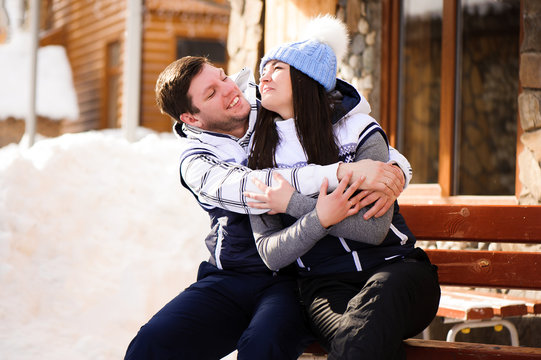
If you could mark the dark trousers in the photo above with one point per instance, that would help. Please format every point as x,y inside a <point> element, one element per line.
<point>257,314</point>
<point>366,315</point>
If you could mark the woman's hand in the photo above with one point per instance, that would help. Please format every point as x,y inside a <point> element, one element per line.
<point>338,205</point>
<point>274,198</point>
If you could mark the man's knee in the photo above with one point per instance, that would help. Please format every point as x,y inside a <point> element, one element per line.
<point>141,347</point>
<point>271,345</point>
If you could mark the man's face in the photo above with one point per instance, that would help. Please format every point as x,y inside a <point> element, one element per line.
<point>222,106</point>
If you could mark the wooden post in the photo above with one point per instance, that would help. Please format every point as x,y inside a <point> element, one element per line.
<point>132,69</point>
<point>30,123</point>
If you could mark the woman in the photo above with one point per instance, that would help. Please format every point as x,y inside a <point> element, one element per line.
<point>365,286</point>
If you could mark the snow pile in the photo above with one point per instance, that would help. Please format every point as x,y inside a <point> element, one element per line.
<point>96,235</point>
<point>55,95</point>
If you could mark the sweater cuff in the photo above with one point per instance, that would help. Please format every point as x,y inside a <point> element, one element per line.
<point>299,205</point>
<point>332,175</point>
<point>316,229</point>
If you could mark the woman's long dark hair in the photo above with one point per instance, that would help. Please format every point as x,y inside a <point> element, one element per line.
<point>312,113</point>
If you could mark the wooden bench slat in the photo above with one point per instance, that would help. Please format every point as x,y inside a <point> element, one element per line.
<point>477,268</point>
<point>443,350</point>
<point>533,305</point>
<point>503,305</point>
<point>492,223</point>
<point>460,308</point>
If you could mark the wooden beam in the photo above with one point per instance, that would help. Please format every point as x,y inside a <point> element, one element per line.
<point>493,269</point>
<point>447,102</point>
<point>492,223</point>
<point>442,350</point>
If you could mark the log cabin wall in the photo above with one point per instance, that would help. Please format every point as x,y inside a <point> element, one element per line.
<point>162,29</point>
<point>93,33</point>
<point>86,29</point>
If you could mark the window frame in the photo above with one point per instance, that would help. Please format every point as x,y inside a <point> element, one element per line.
<point>179,38</point>
<point>442,192</point>
<point>109,72</point>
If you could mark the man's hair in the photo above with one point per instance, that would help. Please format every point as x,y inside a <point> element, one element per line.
<point>173,83</point>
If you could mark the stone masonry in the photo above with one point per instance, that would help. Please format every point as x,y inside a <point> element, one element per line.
<point>529,102</point>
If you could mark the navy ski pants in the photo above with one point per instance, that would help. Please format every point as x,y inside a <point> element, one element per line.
<point>257,314</point>
<point>366,315</point>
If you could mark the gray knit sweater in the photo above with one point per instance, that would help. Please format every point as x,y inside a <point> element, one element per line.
<point>279,246</point>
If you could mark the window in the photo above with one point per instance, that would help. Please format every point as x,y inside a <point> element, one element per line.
<point>213,49</point>
<point>112,90</point>
<point>456,83</point>
<point>47,19</point>
<point>487,108</point>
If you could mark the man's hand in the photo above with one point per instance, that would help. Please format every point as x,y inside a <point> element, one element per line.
<point>380,176</point>
<point>338,205</point>
<point>381,202</point>
<point>274,198</point>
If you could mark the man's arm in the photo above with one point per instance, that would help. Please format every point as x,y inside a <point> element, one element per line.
<point>389,177</point>
<point>219,183</point>
<point>397,168</point>
<point>395,157</point>
<point>216,182</point>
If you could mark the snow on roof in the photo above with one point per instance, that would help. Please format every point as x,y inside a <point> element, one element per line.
<point>55,98</point>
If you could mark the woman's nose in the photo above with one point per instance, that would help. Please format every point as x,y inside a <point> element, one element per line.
<point>264,77</point>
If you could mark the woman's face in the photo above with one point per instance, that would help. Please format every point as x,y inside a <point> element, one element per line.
<point>275,88</point>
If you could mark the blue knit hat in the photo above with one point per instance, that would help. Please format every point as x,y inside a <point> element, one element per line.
<point>316,55</point>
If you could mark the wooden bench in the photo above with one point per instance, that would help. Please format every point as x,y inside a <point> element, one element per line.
<point>461,270</point>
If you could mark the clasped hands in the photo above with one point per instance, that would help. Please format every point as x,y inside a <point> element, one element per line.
<point>379,184</point>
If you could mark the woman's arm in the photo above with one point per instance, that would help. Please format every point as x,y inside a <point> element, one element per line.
<point>356,227</point>
<point>280,246</point>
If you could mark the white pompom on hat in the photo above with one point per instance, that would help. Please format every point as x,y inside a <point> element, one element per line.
<point>325,39</point>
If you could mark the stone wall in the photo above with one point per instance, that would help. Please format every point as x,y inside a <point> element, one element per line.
<point>488,118</point>
<point>361,67</point>
<point>245,37</point>
<point>529,103</point>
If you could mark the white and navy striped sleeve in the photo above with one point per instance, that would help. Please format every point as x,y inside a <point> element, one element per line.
<point>397,158</point>
<point>218,183</point>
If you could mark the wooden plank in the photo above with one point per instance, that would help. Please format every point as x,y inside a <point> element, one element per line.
<point>442,350</point>
<point>315,349</point>
<point>471,305</point>
<point>464,309</point>
<point>476,268</point>
<point>533,306</point>
<point>447,99</point>
<point>390,49</point>
<point>190,6</point>
<point>490,223</point>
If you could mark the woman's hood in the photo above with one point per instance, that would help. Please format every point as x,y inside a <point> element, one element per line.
<point>352,102</point>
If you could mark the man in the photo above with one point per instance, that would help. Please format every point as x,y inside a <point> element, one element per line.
<point>237,302</point>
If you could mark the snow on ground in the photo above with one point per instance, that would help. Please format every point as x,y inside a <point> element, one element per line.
<point>96,235</point>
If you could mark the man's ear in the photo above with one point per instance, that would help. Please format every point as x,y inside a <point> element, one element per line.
<point>188,119</point>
